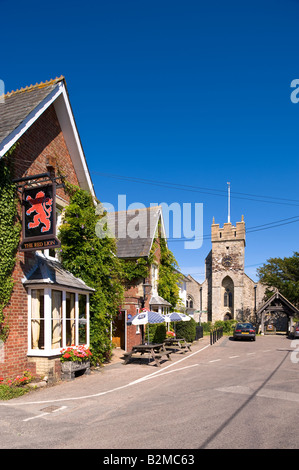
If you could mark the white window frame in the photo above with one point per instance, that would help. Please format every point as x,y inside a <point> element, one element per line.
<point>48,351</point>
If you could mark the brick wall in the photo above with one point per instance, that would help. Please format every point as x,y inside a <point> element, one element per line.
<point>43,139</point>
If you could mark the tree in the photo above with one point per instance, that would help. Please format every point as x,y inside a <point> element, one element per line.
<point>283,274</point>
<point>168,275</point>
<point>93,260</point>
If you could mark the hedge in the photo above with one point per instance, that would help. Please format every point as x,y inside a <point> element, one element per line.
<point>186,329</point>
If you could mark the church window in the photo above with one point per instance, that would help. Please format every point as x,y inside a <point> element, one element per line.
<point>189,302</point>
<point>228,299</point>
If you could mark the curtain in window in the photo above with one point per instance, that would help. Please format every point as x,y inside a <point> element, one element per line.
<point>70,319</point>
<point>82,319</point>
<point>56,319</point>
<point>35,317</point>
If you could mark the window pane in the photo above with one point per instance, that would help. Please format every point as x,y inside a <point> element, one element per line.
<point>82,319</point>
<point>37,319</point>
<point>82,306</point>
<point>82,332</point>
<point>56,319</point>
<point>70,319</point>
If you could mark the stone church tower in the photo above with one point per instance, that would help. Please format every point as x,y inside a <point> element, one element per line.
<point>227,292</point>
<point>227,270</point>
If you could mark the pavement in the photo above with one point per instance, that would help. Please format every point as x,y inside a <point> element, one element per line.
<point>118,353</point>
<point>102,380</point>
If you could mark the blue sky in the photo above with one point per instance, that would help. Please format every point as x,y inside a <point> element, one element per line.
<point>187,93</point>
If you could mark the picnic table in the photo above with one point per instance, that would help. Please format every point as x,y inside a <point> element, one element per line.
<point>154,351</point>
<point>177,344</point>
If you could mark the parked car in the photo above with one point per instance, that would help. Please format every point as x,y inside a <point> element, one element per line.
<point>295,332</point>
<point>244,330</point>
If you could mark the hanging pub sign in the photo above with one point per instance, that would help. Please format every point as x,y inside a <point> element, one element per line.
<point>39,218</point>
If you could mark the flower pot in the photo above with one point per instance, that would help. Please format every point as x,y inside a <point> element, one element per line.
<point>70,369</point>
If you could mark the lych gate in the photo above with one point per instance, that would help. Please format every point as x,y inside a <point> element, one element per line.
<point>276,314</point>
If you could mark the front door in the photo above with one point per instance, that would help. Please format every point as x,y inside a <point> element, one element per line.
<point>118,332</point>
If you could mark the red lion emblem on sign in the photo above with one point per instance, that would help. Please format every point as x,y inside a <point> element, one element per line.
<point>42,205</point>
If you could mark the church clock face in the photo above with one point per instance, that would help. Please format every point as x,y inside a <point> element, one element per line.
<point>227,261</point>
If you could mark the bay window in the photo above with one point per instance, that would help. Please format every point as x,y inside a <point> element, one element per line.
<point>70,320</point>
<point>57,318</point>
<point>82,319</point>
<point>37,319</point>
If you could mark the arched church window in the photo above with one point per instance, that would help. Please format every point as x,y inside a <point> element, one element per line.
<point>228,299</point>
<point>189,302</point>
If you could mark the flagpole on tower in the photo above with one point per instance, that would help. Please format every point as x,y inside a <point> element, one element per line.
<point>228,204</point>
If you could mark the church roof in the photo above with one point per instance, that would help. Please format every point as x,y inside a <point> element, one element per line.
<point>278,296</point>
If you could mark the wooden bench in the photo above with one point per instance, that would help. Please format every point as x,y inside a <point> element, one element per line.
<point>177,345</point>
<point>155,352</point>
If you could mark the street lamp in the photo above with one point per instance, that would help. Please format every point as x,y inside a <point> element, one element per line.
<point>147,287</point>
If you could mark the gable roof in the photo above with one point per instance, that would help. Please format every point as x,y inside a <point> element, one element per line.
<point>21,108</point>
<point>135,230</point>
<point>278,296</point>
<point>50,271</point>
<point>157,300</point>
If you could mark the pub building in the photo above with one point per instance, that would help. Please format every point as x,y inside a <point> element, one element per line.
<point>49,307</point>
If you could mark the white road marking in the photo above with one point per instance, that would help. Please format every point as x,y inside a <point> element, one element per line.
<point>215,360</point>
<point>59,400</point>
<point>265,393</point>
<point>44,414</point>
<point>162,373</point>
<point>233,357</point>
<point>35,417</point>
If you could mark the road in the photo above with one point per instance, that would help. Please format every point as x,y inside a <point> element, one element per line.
<point>232,395</point>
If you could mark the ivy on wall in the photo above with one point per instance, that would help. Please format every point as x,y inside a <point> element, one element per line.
<point>168,270</point>
<point>168,275</point>
<point>93,260</point>
<point>135,269</point>
<point>10,229</point>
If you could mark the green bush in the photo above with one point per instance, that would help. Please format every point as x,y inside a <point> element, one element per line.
<point>207,326</point>
<point>186,329</point>
<point>227,325</point>
<point>155,332</point>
